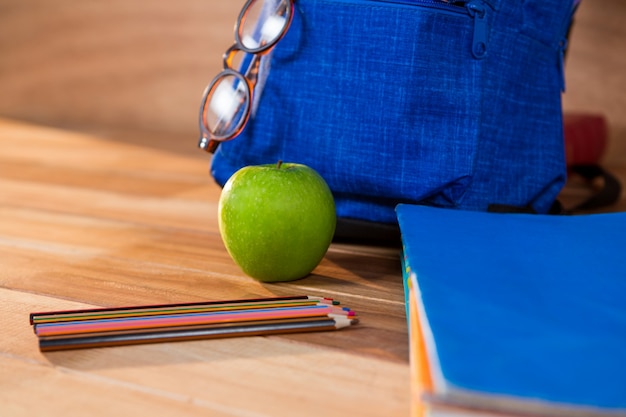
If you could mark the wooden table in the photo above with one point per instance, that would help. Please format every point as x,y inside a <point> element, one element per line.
<point>91,222</point>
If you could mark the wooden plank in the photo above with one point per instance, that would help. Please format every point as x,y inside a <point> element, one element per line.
<point>27,389</point>
<point>241,376</point>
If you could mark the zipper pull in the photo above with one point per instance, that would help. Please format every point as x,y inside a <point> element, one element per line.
<point>478,11</point>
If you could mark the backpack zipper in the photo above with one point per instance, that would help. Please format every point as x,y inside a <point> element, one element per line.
<point>478,10</point>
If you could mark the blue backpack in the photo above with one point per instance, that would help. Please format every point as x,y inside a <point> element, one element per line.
<point>451,104</point>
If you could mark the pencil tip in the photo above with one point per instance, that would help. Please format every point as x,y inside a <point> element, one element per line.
<point>341,322</point>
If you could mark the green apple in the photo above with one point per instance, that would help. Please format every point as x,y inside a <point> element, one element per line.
<point>277,221</point>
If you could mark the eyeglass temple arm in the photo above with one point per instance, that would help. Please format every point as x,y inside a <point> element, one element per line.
<point>207,144</point>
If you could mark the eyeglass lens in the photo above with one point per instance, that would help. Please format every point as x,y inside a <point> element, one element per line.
<point>228,101</point>
<point>262,24</point>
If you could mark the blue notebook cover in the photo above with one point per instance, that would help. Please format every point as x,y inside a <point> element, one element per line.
<point>521,313</point>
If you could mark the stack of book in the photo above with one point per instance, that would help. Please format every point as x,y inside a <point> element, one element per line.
<point>515,314</point>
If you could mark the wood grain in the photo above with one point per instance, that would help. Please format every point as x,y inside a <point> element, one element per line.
<point>139,64</point>
<point>92,222</point>
<point>246,376</point>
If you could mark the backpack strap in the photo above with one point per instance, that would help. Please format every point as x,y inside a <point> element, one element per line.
<point>608,193</point>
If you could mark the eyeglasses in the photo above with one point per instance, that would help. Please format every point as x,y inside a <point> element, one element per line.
<point>227,100</point>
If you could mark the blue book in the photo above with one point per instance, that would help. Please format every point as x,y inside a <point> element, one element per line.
<point>516,314</point>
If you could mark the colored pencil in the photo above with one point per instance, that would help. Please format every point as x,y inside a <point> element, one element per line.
<point>128,323</point>
<point>174,310</point>
<point>157,309</point>
<point>189,327</point>
<point>113,326</point>
<point>80,342</point>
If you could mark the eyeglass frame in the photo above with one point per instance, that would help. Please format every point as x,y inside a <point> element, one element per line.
<point>209,141</point>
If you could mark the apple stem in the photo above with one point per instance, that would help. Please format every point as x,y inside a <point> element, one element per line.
<point>278,164</point>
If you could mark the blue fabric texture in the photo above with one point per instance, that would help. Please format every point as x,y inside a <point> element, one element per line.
<point>390,103</point>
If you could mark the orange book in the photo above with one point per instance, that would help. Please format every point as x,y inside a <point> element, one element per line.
<point>421,380</point>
